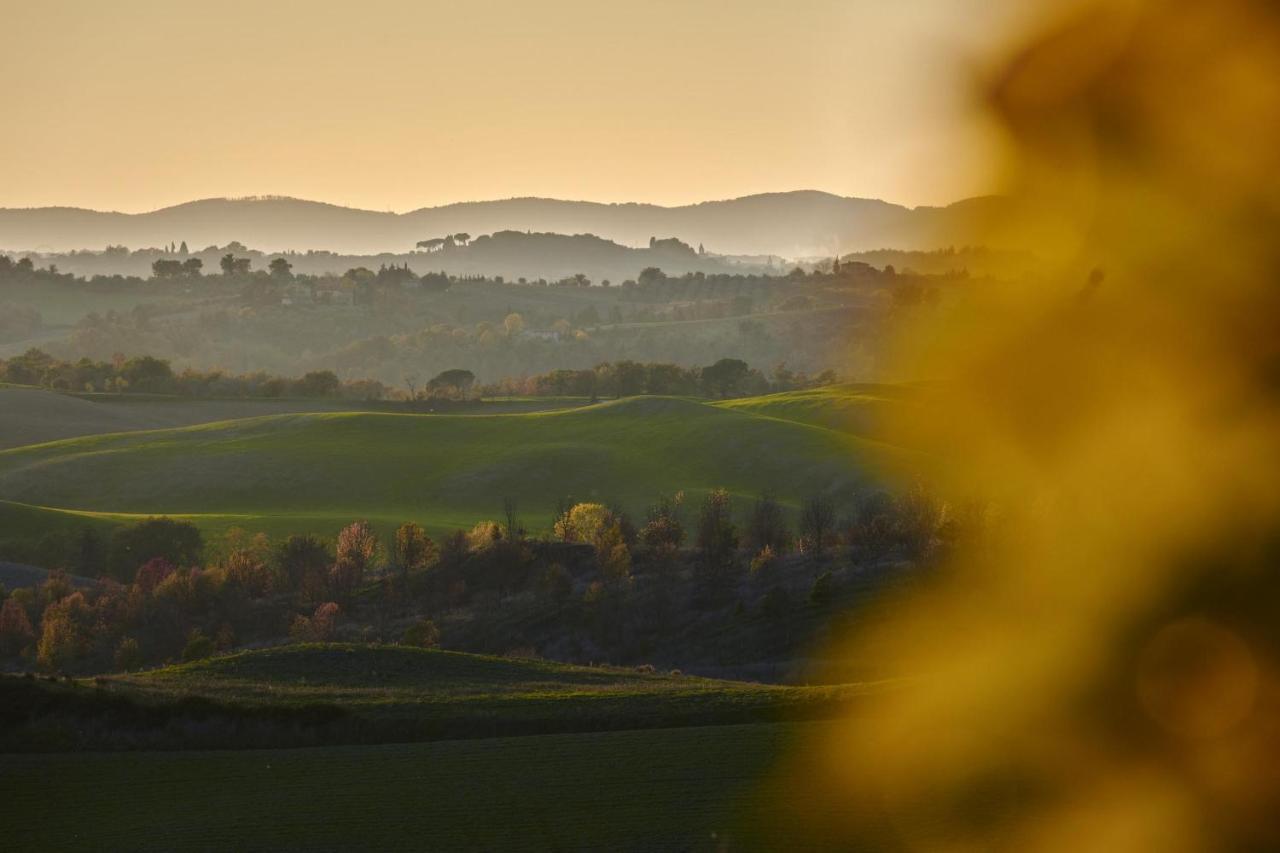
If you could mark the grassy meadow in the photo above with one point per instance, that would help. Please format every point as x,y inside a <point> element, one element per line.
<point>315,471</point>
<point>664,789</point>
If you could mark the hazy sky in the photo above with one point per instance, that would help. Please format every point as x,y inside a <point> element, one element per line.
<point>398,104</point>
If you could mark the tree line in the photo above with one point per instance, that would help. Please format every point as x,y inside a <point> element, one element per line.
<point>162,593</point>
<point>146,374</point>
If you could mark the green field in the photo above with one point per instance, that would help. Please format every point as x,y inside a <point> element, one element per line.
<point>665,789</point>
<point>857,409</point>
<point>414,693</point>
<point>610,758</point>
<point>34,415</point>
<point>327,694</point>
<point>315,472</point>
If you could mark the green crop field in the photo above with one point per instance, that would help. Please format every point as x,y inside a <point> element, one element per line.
<point>858,409</point>
<point>457,692</point>
<point>414,749</point>
<point>34,415</point>
<point>313,694</point>
<point>666,789</point>
<point>315,472</point>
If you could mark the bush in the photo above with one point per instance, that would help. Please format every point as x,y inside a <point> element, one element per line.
<point>484,535</point>
<point>319,627</point>
<point>824,590</point>
<point>128,655</point>
<point>663,531</point>
<point>199,646</point>
<point>764,564</point>
<point>423,634</point>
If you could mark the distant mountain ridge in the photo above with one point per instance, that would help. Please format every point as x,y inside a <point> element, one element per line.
<point>801,223</point>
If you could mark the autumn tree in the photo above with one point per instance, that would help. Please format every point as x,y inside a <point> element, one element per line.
<point>663,533</point>
<point>414,550</point>
<point>423,634</point>
<point>64,633</point>
<point>717,535</point>
<point>357,550</point>
<point>817,522</point>
<point>15,627</point>
<point>767,528</point>
<point>303,563</point>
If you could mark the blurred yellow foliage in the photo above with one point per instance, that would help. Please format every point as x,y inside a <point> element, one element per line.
<point>1101,673</point>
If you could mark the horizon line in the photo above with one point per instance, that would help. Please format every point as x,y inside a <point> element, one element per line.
<point>277,197</point>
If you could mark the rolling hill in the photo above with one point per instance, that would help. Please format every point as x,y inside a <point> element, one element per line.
<point>791,224</point>
<point>315,472</point>
<point>337,693</point>
<point>857,409</point>
<point>466,694</point>
<point>36,415</point>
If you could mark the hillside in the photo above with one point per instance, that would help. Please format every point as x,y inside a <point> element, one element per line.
<point>342,693</point>
<point>317,471</point>
<point>511,254</point>
<point>857,409</point>
<point>400,681</point>
<point>792,224</point>
<point>36,415</point>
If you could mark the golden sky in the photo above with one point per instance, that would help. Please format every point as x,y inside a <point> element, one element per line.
<point>396,104</point>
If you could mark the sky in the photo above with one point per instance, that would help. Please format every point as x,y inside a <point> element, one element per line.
<point>134,105</point>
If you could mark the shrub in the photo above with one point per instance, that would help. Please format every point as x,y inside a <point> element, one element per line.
<point>584,522</point>
<point>764,563</point>
<point>483,536</point>
<point>423,634</point>
<point>824,590</point>
<point>128,655</point>
<point>152,573</point>
<point>663,531</point>
<point>199,646</point>
<point>319,627</point>
<point>325,621</point>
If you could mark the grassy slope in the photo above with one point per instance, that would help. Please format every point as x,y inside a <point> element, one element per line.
<point>317,471</point>
<point>630,790</point>
<point>464,692</point>
<point>33,415</point>
<point>859,409</point>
